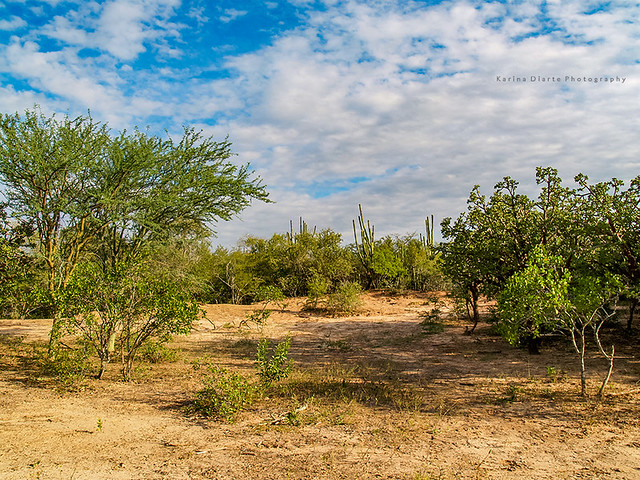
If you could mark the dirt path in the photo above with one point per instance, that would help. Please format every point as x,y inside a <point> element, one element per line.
<point>378,398</point>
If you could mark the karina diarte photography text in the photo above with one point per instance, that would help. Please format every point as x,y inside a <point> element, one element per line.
<point>559,79</point>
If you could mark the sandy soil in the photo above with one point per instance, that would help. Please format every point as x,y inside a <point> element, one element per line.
<point>377,398</point>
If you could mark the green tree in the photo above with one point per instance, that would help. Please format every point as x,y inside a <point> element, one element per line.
<point>87,192</point>
<point>124,309</point>
<point>386,264</point>
<point>611,220</point>
<point>292,261</point>
<point>547,297</point>
<point>492,241</point>
<point>48,167</point>
<point>20,290</point>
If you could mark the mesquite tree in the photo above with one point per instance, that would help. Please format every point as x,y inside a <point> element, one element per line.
<point>86,191</point>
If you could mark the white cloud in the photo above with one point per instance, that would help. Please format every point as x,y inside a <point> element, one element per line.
<point>231,14</point>
<point>395,101</point>
<point>13,23</point>
<point>340,98</point>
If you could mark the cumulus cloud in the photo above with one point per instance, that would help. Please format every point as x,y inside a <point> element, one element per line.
<point>400,106</point>
<point>13,23</point>
<point>362,90</point>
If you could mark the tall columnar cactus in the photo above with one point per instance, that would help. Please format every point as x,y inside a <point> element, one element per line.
<point>291,236</point>
<point>365,247</point>
<point>427,240</point>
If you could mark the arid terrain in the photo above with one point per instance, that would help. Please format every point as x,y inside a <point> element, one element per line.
<point>373,395</point>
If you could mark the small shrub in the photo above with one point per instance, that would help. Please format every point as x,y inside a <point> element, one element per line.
<point>431,323</point>
<point>345,300</point>
<point>224,394</point>
<point>273,365</point>
<point>512,393</point>
<point>69,365</point>
<point>156,352</point>
<point>317,289</point>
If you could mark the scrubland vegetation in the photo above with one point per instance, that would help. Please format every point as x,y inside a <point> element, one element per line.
<point>109,237</point>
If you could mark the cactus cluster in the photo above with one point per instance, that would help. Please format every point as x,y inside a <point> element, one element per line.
<point>366,246</point>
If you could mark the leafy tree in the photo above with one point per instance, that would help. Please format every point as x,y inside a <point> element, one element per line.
<point>94,304</point>
<point>225,275</point>
<point>464,260</point>
<point>125,309</point>
<point>547,297</point>
<point>85,191</point>
<point>611,219</point>
<point>420,261</point>
<point>20,289</point>
<point>492,241</point>
<point>292,261</point>
<point>386,264</point>
<point>48,168</point>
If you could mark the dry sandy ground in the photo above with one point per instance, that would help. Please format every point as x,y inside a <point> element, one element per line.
<point>378,398</point>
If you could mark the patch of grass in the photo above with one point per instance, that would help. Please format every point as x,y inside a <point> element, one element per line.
<point>512,394</point>
<point>156,352</point>
<point>359,383</point>
<point>432,322</point>
<point>555,375</point>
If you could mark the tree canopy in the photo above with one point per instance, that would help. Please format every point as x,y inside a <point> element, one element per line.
<point>86,191</point>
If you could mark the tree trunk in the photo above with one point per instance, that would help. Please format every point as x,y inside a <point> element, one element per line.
<point>632,308</point>
<point>475,317</point>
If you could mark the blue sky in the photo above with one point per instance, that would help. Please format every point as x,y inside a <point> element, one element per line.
<point>401,106</point>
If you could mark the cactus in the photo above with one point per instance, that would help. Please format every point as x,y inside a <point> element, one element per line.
<point>365,248</point>
<point>291,236</point>
<point>427,241</point>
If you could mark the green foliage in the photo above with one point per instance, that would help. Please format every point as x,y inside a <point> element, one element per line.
<point>432,322</point>
<point>545,296</point>
<point>345,300</point>
<point>273,364</point>
<point>259,317</point>
<point>493,240</point>
<point>366,246</point>
<point>157,352</point>
<point>385,264</point>
<point>291,261</point>
<point>125,309</point>
<point>534,300</point>
<point>69,365</point>
<point>85,191</point>
<point>21,292</point>
<point>224,394</point>
<point>318,289</point>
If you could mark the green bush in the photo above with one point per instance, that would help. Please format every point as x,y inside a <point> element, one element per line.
<point>156,352</point>
<point>345,300</point>
<point>318,288</point>
<point>273,364</point>
<point>431,322</point>
<point>69,365</point>
<point>224,394</point>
